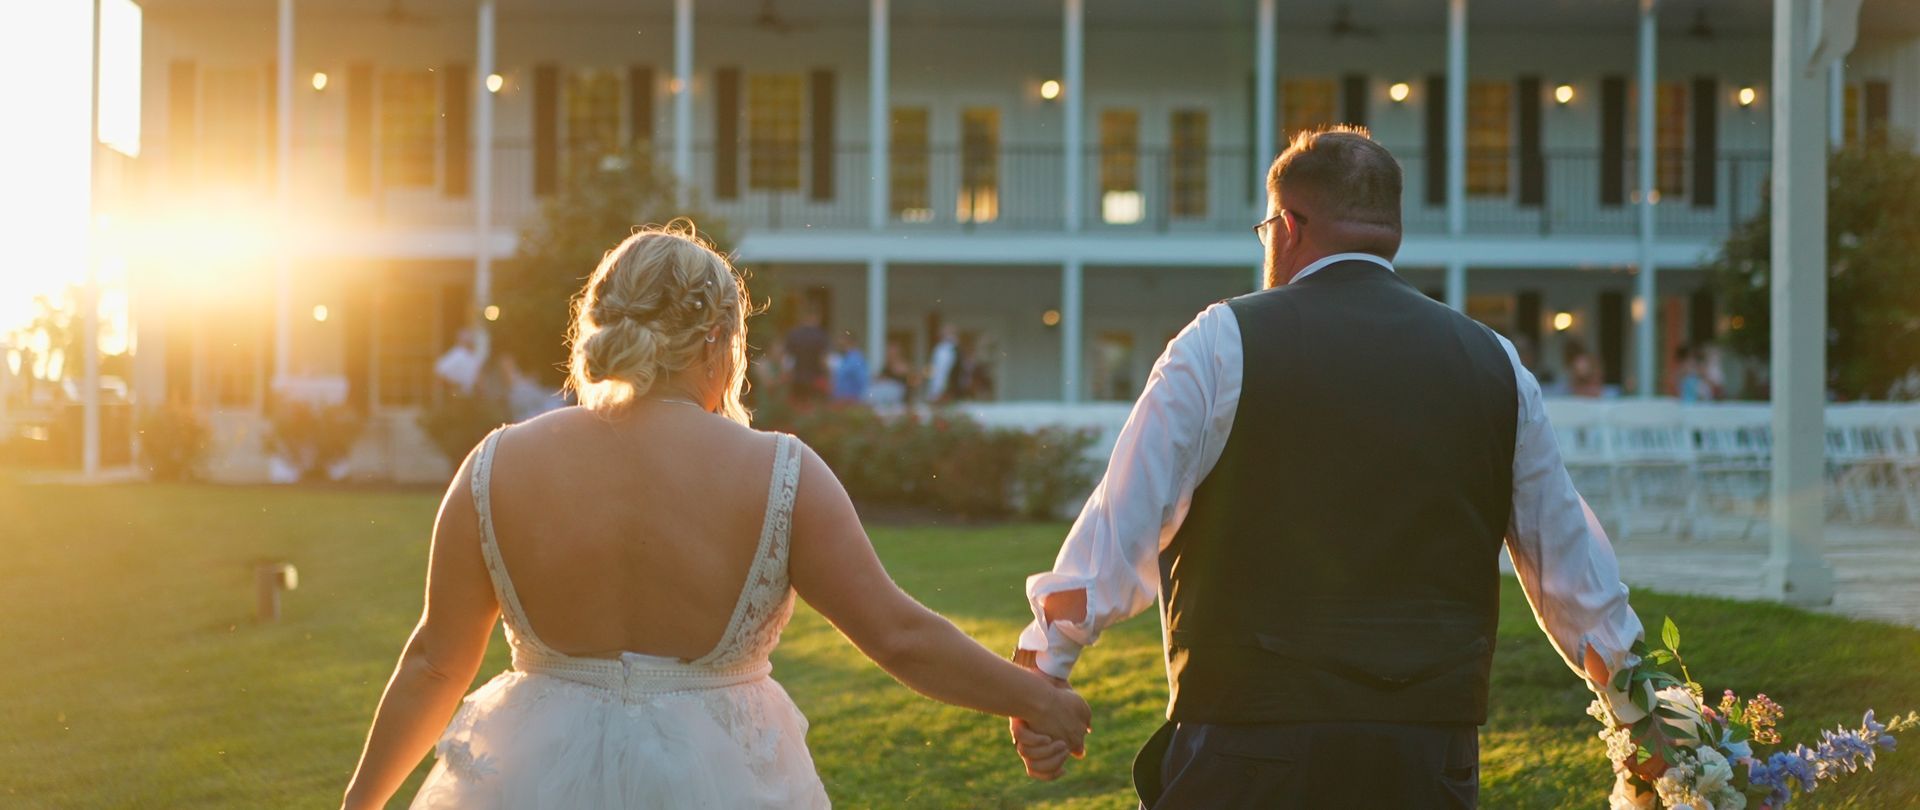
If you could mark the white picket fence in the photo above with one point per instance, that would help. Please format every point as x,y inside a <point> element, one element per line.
<point>1657,464</point>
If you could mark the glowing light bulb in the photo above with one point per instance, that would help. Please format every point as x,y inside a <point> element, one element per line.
<point>495,81</point>
<point>319,80</point>
<point>1563,94</point>
<point>1050,89</point>
<point>1399,92</point>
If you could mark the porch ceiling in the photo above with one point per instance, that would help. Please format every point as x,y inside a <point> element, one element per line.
<point>1879,18</point>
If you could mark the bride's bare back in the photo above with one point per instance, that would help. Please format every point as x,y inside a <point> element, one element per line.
<point>630,534</point>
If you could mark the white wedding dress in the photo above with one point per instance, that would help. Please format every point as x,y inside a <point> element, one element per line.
<point>559,731</point>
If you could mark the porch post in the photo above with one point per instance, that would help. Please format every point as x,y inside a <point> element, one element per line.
<point>876,313</point>
<point>283,197</point>
<point>879,168</point>
<point>1071,326</point>
<point>1837,103</point>
<point>484,66</point>
<point>1074,88</point>
<point>1456,147</point>
<point>89,292</point>
<point>1796,572</point>
<point>1646,294</point>
<point>1263,136</point>
<point>683,95</point>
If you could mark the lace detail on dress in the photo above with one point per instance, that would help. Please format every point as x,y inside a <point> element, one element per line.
<point>766,600</point>
<point>519,630</point>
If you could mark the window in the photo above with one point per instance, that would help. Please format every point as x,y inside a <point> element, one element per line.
<point>409,113</point>
<point>1305,104</point>
<point>235,341</point>
<point>912,197</point>
<point>773,132</point>
<point>979,164</point>
<point>1669,138</point>
<point>1120,167</point>
<point>404,349</point>
<point>233,135</point>
<point>1489,138</point>
<point>1850,115</point>
<point>592,113</point>
<point>1113,367</point>
<point>1187,165</point>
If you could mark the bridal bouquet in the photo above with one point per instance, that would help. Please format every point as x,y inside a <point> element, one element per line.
<point>1687,754</point>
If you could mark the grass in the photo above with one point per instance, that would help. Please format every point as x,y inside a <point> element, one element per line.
<point>135,676</point>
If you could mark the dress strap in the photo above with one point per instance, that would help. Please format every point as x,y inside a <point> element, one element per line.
<point>766,577</point>
<point>510,610</point>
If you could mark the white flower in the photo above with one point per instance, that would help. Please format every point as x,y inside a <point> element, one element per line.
<point>1685,729</point>
<point>1716,773</point>
<point>1676,789</point>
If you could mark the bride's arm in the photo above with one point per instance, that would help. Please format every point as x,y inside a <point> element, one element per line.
<point>441,657</point>
<point>834,568</point>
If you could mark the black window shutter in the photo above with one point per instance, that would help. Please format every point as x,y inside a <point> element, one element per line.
<point>1706,141</point>
<point>1533,164</point>
<point>1876,100</point>
<point>360,128</point>
<point>456,100</point>
<point>546,128</point>
<point>820,94</point>
<point>1353,99</point>
<point>1436,156</point>
<point>272,109</point>
<point>183,97</point>
<point>726,133</point>
<point>1257,157</point>
<point>1526,315</point>
<point>1700,317</point>
<point>1613,336</point>
<point>1613,140</point>
<point>640,104</point>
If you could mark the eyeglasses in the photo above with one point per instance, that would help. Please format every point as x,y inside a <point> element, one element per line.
<point>1266,225</point>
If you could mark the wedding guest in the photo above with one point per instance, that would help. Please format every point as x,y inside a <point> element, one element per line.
<point>942,365</point>
<point>460,367</point>
<point>1584,378</point>
<point>1692,381</point>
<point>807,346</point>
<point>850,372</point>
<point>894,385</point>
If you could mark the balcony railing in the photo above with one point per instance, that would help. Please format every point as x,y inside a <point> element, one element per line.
<point>1012,188</point>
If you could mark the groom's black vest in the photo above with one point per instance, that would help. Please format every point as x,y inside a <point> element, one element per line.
<point>1340,562</point>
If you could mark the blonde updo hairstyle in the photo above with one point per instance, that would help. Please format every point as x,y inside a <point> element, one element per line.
<point>661,302</point>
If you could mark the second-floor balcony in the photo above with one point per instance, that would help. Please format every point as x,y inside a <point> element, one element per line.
<point>1012,188</point>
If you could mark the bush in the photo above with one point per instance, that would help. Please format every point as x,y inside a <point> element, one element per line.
<point>173,444</point>
<point>948,462</point>
<point>313,438</point>
<point>457,424</point>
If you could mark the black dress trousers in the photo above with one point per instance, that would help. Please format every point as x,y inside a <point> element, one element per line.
<point>1352,766</point>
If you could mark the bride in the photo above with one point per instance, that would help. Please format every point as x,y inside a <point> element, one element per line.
<point>643,550</point>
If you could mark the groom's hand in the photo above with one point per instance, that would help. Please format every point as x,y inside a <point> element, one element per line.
<point>1045,756</point>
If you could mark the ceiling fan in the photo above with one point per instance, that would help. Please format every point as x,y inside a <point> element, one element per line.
<point>397,14</point>
<point>1343,25</point>
<point>770,19</point>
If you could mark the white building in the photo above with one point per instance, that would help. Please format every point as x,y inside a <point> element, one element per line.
<point>1067,181</point>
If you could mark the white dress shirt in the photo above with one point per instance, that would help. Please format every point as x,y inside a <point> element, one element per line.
<point>1174,437</point>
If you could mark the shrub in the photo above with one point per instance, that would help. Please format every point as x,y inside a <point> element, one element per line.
<point>1053,468</point>
<point>313,438</point>
<point>457,424</point>
<point>173,444</point>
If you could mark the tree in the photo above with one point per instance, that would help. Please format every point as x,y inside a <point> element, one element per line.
<point>1873,275</point>
<point>601,202</point>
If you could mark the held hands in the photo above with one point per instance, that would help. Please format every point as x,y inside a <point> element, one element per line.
<point>1044,741</point>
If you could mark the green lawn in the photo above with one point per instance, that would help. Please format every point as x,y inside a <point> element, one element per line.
<point>134,675</point>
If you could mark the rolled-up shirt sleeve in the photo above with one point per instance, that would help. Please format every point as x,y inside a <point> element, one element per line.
<point>1173,436</point>
<point>1561,554</point>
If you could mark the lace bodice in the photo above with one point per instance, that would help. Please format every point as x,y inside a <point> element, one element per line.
<point>761,612</point>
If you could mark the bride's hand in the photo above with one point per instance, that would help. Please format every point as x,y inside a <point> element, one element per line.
<point>1045,739</point>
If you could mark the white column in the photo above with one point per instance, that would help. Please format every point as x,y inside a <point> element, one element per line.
<point>283,188</point>
<point>683,94</point>
<point>1646,297</point>
<point>484,66</point>
<point>1456,156</point>
<point>876,312</point>
<point>1073,87</point>
<point>89,292</point>
<point>879,115</point>
<point>1456,289</point>
<point>1837,103</point>
<point>1796,573</point>
<point>1070,330</point>
<point>1264,48</point>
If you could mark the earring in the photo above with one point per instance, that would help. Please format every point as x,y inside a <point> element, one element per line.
<point>710,338</point>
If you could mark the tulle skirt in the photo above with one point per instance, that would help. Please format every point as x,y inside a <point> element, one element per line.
<point>536,741</point>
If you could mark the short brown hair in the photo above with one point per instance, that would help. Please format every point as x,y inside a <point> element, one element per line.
<point>1341,173</point>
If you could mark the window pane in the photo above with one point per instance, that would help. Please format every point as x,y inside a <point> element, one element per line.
<point>1120,166</point>
<point>912,198</point>
<point>404,344</point>
<point>234,126</point>
<point>593,113</point>
<point>1489,138</point>
<point>1113,367</point>
<point>773,132</point>
<point>1306,103</point>
<point>1187,164</point>
<point>1850,114</point>
<point>1670,139</point>
<point>408,112</point>
<point>979,164</point>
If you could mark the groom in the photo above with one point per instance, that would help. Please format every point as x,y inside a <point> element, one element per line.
<point>1316,485</point>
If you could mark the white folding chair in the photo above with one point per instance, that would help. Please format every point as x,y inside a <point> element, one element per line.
<point>1653,463</point>
<point>1733,457</point>
<point>1906,421</point>
<point>1579,428</point>
<point>1862,457</point>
